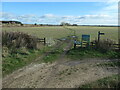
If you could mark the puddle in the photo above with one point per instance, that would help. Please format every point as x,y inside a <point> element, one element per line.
<point>63,39</point>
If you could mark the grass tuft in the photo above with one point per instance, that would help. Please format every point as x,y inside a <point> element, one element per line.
<point>107,82</point>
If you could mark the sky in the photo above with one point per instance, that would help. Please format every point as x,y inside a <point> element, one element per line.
<point>82,13</point>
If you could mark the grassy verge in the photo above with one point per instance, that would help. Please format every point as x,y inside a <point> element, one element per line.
<point>110,64</point>
<point>22,57</point>
<point>20,49</point>
<point>107,82</point>
<point>81,53</point>
<point>15,61</point>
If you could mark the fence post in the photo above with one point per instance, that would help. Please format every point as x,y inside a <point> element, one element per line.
<point>92,44</point>
<point>74,45</point>
<point>119,44</point>
<point>44,41</point>
<point>98,36</point>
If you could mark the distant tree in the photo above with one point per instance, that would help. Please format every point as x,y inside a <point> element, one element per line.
<point>35,24</point>
<point>21,24</point>
<point>74,24</point>
<point>41,24</point>
<point>65,24</point>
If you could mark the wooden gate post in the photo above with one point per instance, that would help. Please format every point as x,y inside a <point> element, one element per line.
<point>119,44</point>
<point>74,45</point>
<point>98,36</point>
<point>44,41</point>
<point>75,42</point>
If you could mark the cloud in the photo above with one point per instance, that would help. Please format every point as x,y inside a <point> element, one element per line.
<point>111,7</point>
<point>55,19</point>
<point>5,15</point>
<point>107,15</point>
<point>28,18</point>
<point>112,1</point>
<point>101,16</point>
<point>48,16</point>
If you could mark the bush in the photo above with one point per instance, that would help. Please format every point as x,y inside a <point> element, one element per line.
<point>15,40</point>
<point>104,45</point>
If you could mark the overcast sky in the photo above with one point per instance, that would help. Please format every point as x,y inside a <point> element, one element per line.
<point>82,13</point>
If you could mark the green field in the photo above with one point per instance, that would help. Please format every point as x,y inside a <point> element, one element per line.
<point>59,31</point>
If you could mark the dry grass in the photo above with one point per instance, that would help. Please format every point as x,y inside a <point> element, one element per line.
<point>18,40</point>
<point>104,45</point>
<point>59,31</point>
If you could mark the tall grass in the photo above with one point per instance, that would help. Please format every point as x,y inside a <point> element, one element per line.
<point>17,40</point>
<point>104,45</point>
<point>19,49</point>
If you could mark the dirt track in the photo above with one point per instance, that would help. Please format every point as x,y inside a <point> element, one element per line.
<point>64,73</point>
<point>67,74</point>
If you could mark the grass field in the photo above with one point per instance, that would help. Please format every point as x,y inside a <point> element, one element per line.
<point>15,58</point>
<point>59,31</point>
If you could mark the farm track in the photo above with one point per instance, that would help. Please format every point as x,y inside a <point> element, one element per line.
<point>69,74</point>
<point>59,61</point>
<point>59,43</point>
<point>64,73</point>
<point>39,59</point>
